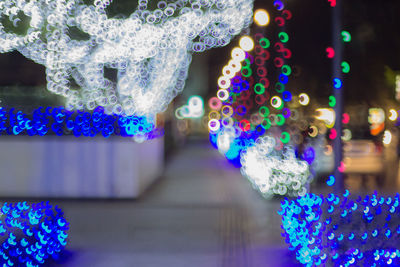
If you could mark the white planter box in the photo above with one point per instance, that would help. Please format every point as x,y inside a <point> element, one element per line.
<point>78,167</point>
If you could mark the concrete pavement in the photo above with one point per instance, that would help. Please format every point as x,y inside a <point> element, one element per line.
<point>202,213</point>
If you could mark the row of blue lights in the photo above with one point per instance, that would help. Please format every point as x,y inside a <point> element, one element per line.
<point>60,121</point>
<point>342,231</point>
<point>30,234</point>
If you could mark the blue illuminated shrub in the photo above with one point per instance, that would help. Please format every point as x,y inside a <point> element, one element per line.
<point>30,234</point>
<point>341,231</point>
<point>60,121</point>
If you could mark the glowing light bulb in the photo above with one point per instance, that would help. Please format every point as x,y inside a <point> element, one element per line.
<point>224,82</point>
<point>235,65</point>
<point>387,138</point>
<point>327,115</point>
<point>246,43</point>
<point>277,102</point>
<point>347,135</point>
<point>345,118</point>
<point>346,36</point>
<point>223,94</point>
<point>215,103</point>
<point>238,54</point>
<point>261,17</point>
<point>304,99</point>
<point>313,131</point>
<point>393,115</point>
<point>332,101</point>
<point>214,125</point>
<point>330,52</point>
<point>227,71</point>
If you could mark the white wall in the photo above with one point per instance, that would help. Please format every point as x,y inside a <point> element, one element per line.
<point>78,167</point>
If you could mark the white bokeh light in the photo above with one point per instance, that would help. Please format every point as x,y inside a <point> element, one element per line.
<point>274,172</point>
<point>246,43</point>
<point>150,50</point>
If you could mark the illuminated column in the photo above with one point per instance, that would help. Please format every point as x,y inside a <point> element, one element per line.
<point>338,94</point>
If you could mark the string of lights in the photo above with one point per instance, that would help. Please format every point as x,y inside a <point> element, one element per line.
<point>60,121</point>
<point>249,118</point>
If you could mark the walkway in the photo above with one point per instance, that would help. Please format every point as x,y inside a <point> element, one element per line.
<point>202,213</point>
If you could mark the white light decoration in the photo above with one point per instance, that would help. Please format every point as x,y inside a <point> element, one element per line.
<point>304,99</point>
<point>261,17</point>
<point>214,125</point>
<point>276,102</point>
<point>193,109</point>
<point>327,115</point>
<point>238,54</point>
<point>150,51</point>
<point>387,138</point>
<point>223,94</point>
<point>392,115</point>
<point>347,135</point>
<point>274,172</point>
<point>246,43</point>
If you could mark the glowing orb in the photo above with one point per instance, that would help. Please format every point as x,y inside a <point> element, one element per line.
<point>331,180</point>
<point>214,125</point>
<point>393,115</point>
<point>337,83</point>
<point>345,67</point>
<point>304,99</point>
<point>277,102</point>
<point>246,43</point>
<point>332,101</point>
<point>238,54</point>
<point>387,138</point>
<point>327,115</point>
<point>261,17</point>
<point>330,52</point>
<point>346,36</point>
<point>347,135</point>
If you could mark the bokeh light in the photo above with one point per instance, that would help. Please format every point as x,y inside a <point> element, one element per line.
<point>150,50</point>
<point>392,115</point>
<point>30,234</point>
<point>261,17</point>
<point>246,43</point>
<point>304,99</point>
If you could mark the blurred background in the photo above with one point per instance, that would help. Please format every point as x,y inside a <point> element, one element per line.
<point>176,201</point>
